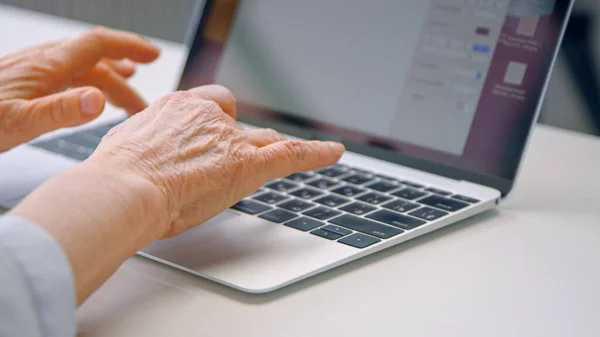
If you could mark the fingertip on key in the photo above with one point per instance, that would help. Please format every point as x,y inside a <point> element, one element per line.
<point>336,148</point>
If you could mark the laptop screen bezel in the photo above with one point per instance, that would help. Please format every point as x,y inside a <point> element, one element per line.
<point>505,186</point>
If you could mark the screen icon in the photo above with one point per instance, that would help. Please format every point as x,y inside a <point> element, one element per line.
<point>515,73</point>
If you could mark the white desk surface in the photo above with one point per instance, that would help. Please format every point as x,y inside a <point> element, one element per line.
<point>531,268</point>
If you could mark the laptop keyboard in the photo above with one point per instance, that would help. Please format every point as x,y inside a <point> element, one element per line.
<point>346,204</point>
<point>78,146</point>
<point>350,205</point>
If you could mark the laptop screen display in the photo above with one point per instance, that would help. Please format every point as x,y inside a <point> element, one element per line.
<point>450,82</point>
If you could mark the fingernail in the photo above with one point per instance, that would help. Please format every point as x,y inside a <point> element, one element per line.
<point>91,102</point>
<point>336,146</point>
<point>128,63</point>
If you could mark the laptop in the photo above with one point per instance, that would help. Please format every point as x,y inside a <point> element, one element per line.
<point>435,101</point>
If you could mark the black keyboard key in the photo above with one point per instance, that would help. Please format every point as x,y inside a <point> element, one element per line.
<point>360,241</point>
<point>326,234</point>
<point>429,214</point>
<point>307,193</point>
<point>358,208</point>
<point>337,230</point>
<point>323,183</point>
<point>296,205</point>
<point>278,216</point>
<point>251,207</point>
<point>450,205</point>
<point>466,199</point>
<point>65,148</point>
<point>358,179</point>
<point>396,220</point>
<point>281,186</point>
<point>383,186</point>
<point>332,200</point>
<point>333,171</point>
<point>366,226</point>
<point>438,191</point>
<point>401,206</point>
<point>411,184</point>
<point>374,198</point>
<point>300,176</point>
<point>348,191</point>
<point>409,194</point>
<point>386,177</point>
<point>322,213</point>
<point>270,198</point>
<point>304,224</point>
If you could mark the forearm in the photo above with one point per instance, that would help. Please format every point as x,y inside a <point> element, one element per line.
<point>99,217</point>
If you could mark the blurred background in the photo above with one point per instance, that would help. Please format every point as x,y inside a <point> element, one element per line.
<point>572,101</point>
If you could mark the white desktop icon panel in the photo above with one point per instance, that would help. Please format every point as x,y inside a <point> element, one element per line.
<point>528,25</point>
<point>515,73</point>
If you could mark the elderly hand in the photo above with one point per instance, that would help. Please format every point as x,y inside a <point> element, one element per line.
<point>200,160</point>
<point>95,64</point>
<point>171,167</point>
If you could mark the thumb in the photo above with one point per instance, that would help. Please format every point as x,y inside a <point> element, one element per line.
<point>65,109</point>
<point>22,120</point>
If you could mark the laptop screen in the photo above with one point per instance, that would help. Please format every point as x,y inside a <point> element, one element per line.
<point>446,84</point>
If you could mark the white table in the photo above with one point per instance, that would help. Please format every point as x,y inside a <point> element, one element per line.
<point>532,268</point>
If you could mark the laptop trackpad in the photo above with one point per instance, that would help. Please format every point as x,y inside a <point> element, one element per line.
<point>248,253</point>
<point>25,168</point>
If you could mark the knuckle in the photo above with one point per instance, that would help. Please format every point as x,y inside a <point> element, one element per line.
<point>239,155</point>
<point>252,155</point>
<point>210,107</point>
<point>97,32</point>
<point>103,69</point>
<point>56,69</point>
<point>97,35</point>
<point>173,97</point>
<point>272,133</point>
<point>295,150</point>
<point>7,119</point>
<point>16,118</point>
<point>59,112</point>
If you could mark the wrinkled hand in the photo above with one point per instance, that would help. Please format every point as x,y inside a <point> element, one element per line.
<point>189,146</point>
<point>166,169</point>
<point>96,64</point>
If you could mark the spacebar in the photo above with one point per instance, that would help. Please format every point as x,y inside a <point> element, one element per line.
<point>366,226</point>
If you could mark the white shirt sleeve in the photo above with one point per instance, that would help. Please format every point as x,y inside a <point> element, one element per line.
<point>37,293</point>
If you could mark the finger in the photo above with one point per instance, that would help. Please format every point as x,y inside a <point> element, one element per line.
<point>124,67</point>
<point>220,95</point>
<point>284,158</point>
<point>114,86</point>
<point>65,109</point>
<point>82,53</point>
<point>264,137</point>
